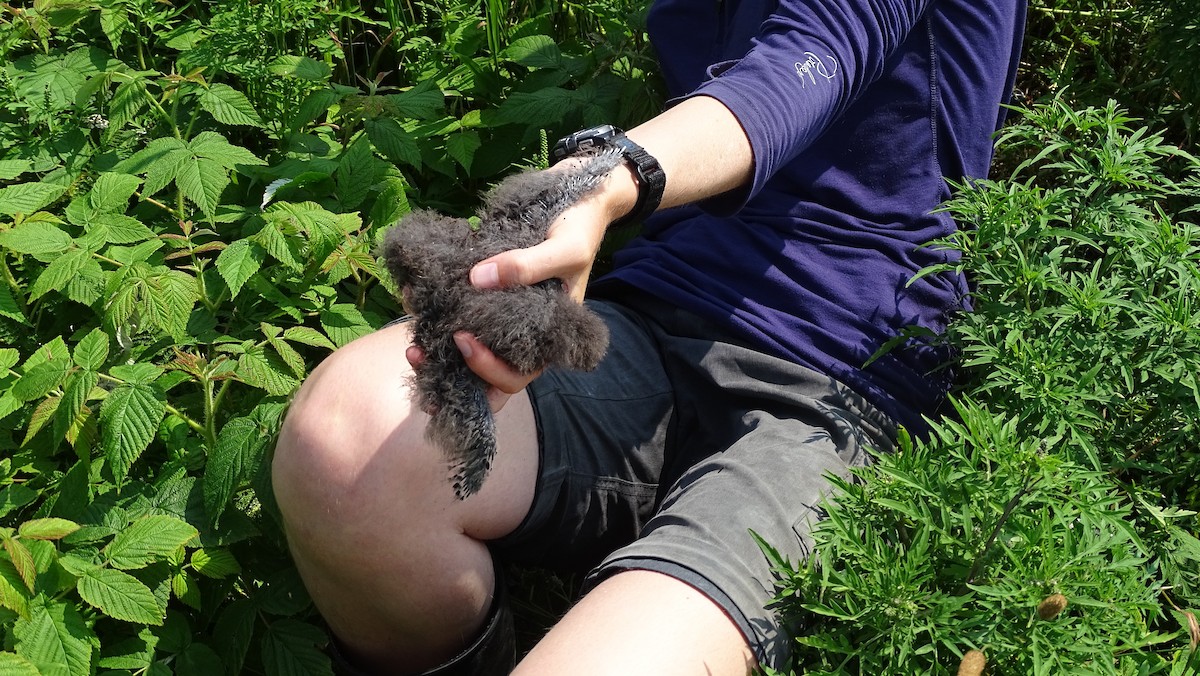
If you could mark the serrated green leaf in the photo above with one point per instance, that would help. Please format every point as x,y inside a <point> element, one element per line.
<point>54,635</point>
<point>184,588</point>
<point>308,336</point>
<point>42,414</point>
<point>127,101</point>
<point>170,297</point>
<point>14,595</point>
<point>88,285</point>
<point>343,323</point>
<point>139,373</point>
<point>423,102</point>
<point>391,204</point>
<point>51,528</point>
<point>215,562</point>
<point>111,192</point>
<point>148,539</point>
<point>313,107</point>
<point>212,146</point>
<point>389,138</point>
<point>288,354</point>
<point>282,248</point>
<point>92,350</point>
<point>129,418</point>
<point>258,368</point>
<point>60,272</point>
<point>238,452</point>
<point>9,307</point>
<point>9,356</point>
<point>534,51</point>
<point>28,197</point>
<point>40,379</point>
<point>141,161</point>
<point>35,238</point>
<point>233,632</point>
<point>238,262</point>
<point>21,559</point>
<point>302,67</point>
<point>543,108</point>
<point>114,21</point>
<point>165,169</point>
<point>15,496</point>
<point>357,172</point>
<point>462,146</point>
<point>120,596</point>
<point>12,664</point>
<point>290,648</point>
<point>229,106</point>
<point>202,181</point>
<point>10,169</point>
<point>119,229</point>
<point>74,399</point>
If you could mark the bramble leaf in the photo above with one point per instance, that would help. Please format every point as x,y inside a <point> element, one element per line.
<point>9,307</point>
<point>39,379</point>
<point>343,323</point>
<point>238,262</point>
<point>28,197</point>
<point>265,370</point>
<point>462,146</point>
<point>59,273</point>
<point>37,237</point>
<point>290,649</point>
<point>111,192</point>
<point>12,664</point>
<point>92,350</point>
<point>120,596</point>
<point>51,528</point>
<point>54,635</point>
<point>238,451</point>
<point>229,106</point>
<point>129,417</point>
<point>149,539</point>
<point>303,67</point>
<point>397,144</point>
<point>215,562</point>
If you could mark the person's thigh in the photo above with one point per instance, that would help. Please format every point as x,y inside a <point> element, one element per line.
<point>395,562</point>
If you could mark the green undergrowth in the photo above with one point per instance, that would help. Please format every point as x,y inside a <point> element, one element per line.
<point>1065,474</point>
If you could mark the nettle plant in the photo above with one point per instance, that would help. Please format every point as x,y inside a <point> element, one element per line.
<point>190,200</point>
<point>1049,524</point>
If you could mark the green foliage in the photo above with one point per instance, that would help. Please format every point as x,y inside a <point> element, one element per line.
<point>1067,469</point>
<point>190,197</point>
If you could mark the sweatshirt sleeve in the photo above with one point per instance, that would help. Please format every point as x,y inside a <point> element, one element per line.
<point>809,61</point>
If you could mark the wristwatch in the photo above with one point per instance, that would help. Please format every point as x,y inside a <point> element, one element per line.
<point>651,178</point>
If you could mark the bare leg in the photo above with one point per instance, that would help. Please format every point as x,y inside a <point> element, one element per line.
<point>394,561</point>
<point>641,623</point>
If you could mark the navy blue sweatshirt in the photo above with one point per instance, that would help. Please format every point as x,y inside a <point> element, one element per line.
<point>857,112</point>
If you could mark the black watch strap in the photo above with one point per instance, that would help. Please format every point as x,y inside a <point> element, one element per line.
<point>651,178</point>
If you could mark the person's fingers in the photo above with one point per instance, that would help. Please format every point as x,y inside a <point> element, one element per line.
<point>414,355</point>
<point>562,257</point>
<point>492,369</point>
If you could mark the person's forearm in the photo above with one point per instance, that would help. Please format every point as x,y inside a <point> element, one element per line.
<point>701,148</point>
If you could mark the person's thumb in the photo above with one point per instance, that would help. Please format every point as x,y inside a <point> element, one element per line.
<point>554,258</point>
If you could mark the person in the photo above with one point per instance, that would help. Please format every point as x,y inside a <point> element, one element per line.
<point>805,156</point>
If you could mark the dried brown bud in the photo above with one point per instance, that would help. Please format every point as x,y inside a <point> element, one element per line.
<point>972,663</point>
<point>1051,606</point>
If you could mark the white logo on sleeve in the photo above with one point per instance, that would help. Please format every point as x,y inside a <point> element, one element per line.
<point>814,65</point>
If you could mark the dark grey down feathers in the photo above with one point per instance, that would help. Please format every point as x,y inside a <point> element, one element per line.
<point>530,327</point>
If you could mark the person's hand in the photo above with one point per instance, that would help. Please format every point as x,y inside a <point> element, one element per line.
<point>504,381</point>
<point>571,243</point>
<point>567,253</point>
